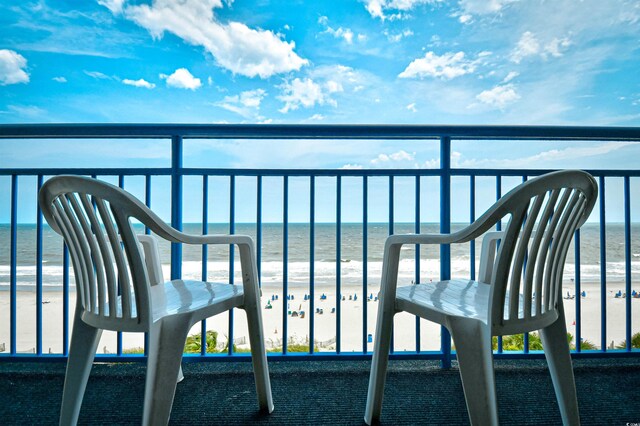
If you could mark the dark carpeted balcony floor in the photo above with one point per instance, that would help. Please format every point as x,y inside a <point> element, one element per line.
<point>322,393</point>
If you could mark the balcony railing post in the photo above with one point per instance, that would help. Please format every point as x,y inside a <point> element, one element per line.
<point>627,258</point>
<point>13,264</point>
<point>445,228</point>
<point>176,204</point>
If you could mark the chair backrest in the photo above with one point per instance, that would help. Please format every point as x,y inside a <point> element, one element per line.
<point>526,275</point>
<point>112,278</point>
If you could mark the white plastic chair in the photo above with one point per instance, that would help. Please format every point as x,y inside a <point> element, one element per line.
<point>120,287</point>
<point>518,290</point>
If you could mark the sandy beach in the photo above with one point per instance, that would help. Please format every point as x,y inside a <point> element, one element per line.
<point>298,330</point>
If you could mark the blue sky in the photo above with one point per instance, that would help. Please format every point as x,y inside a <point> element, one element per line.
<point>565,62</point>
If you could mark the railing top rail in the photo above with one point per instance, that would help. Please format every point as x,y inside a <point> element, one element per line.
<point>187,171</point>
<point>324,131</point>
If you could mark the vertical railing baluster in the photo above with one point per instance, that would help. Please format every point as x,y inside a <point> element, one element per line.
<point>232,230</point>
<point>65,300</point>
<point>338,261</point>
<point>285,262</point>
<point>13,265</point>
<point>445,228</point>
<point>576,243</point>
<point>147,198</point>
<point>416,229</point>
<point>119,333</point>
<point>259,227</point>
<point>39,272</point>
<point>472,218</point>
<point>365,254</point>
<point>176,204</point>
<point>524,268</point>
<point>205,256</point>
<point>499,228</point>
<point>627,258</point>
<point>390,232</point>
<point>603,266</point>
<point>312,260</point>
<point>147,231</point>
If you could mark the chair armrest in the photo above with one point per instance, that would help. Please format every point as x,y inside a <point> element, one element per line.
<point>161,229</point>
<point>244,242</point>
<point>394,243</point>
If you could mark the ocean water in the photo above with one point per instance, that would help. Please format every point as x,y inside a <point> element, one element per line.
<point>326,269</point>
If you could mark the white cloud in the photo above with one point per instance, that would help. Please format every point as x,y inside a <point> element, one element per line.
<point>138,83</point>
<point>510,76</point>
<point>378,8</point>
<point>397,36</point>
<point>352,167</point>
<point>483,7</point>
<point>115,6</point>
<point>345,34</point>
<point>59,79</point>
<point>339,77</point>
<point>400,159</point>
<point>548,158</point>
<point>246,103</point>
<point>529,45</point>
<point>97,75</point>
<point>465,19</point>
<point>307,93</point>
<point>182,79</point>
<point>341,33</point>
<point>322,85</point>
<point>12,68</point>
<point>555,46</point>
<point>234,45</point>
<point>499,96</point>
<point>448,66</point>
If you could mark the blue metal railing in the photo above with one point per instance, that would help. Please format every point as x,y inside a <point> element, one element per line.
<point>444,134</point>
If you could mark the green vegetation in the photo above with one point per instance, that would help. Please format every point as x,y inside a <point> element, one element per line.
<point>516,343</point>
<point>294,347</point>
<point>133,351</point>
<point>194,343</point>
<point>635,342</point>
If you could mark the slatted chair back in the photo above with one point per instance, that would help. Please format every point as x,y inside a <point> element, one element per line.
<point>526,275</point>
<point>112,280</point>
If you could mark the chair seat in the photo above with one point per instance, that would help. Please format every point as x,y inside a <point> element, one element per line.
<point>436,301</point>
<point>185,296</point>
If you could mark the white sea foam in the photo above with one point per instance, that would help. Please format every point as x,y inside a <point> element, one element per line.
<point>325,272</point>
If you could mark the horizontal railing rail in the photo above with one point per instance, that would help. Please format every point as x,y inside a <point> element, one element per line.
<point>319,131</point>
<point>177,134</point>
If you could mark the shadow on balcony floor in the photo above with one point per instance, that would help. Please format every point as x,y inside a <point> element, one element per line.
<point>322,393</point>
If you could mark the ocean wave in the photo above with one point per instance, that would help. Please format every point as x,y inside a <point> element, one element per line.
<point>324,272</point>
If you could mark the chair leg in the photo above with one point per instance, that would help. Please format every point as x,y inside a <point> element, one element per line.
<point>379,363</point>
<point>84,341</point>
<point>259,359</point>
<point>556,350</point>
<point>167,338</point>
<point>475,359</point>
